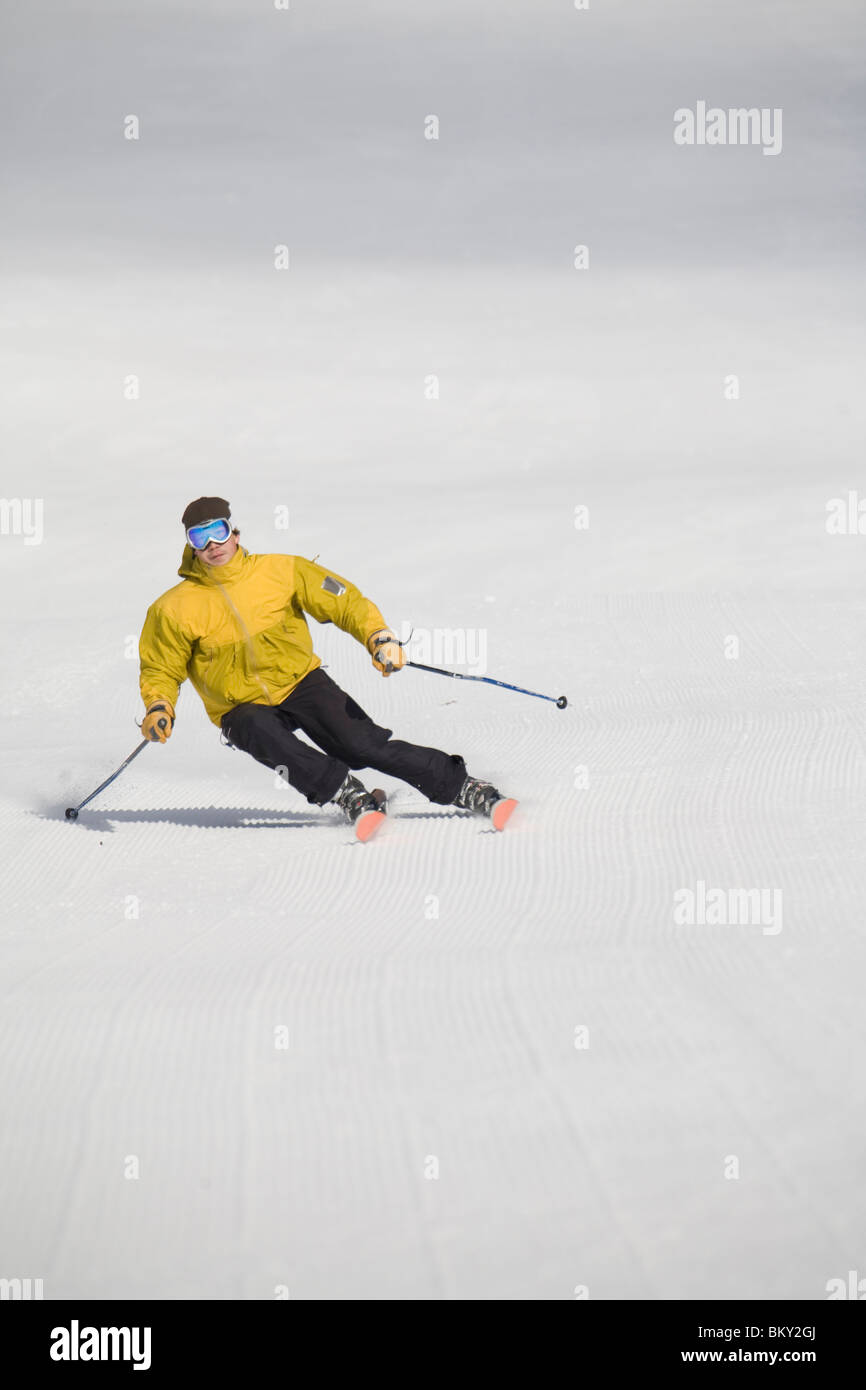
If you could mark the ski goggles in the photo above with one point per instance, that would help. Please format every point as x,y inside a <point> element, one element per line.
<point>201,536</point>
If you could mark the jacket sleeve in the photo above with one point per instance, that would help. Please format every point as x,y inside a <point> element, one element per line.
<point>330,598</point>
<point>164,652</point>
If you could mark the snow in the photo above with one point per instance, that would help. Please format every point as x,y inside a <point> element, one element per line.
<point>509,1072</point>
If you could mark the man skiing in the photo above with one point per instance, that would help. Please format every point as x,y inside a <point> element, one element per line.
<point>235,626</point>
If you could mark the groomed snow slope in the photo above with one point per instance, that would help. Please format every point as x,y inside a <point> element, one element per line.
<point>431,1130</point>
<point>432,982</point>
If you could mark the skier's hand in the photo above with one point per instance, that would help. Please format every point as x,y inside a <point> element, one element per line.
<point>158,722</point>
<point>386,651</point>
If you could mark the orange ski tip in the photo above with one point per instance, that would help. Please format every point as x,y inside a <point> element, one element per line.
<point>501,813</point>
<point>367,824</point>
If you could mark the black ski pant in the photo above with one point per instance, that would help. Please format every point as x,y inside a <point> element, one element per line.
<point>348,738</point>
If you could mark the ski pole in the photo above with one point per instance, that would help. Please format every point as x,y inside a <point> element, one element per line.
<point>72,811</point>
<point>560,703</point>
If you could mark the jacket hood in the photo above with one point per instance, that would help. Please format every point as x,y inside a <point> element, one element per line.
<point>191,567</point>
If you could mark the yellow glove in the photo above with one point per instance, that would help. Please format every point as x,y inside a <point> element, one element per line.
<point>386,651</point>
<point>158,722</point>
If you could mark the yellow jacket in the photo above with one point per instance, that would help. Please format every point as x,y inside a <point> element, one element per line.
<point>239,632</point>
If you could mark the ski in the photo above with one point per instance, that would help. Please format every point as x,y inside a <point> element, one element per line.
<point>369,821</point>
<point>500,812</point>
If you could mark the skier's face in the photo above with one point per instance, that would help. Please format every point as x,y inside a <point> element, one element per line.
<point>214,554</point>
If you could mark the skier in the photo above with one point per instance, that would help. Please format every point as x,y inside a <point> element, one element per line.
<point>235,626</point>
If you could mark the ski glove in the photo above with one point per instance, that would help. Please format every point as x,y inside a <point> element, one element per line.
<point>386,651</point>
<point>158,722</point>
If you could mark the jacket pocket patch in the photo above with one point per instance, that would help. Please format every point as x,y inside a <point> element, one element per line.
<point>333,586</point>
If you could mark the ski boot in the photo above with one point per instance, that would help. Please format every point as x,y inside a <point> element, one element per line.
<point>482,799</point>
<point>365,810</point>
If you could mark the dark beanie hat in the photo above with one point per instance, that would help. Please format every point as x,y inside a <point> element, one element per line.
<point>205,509</point>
